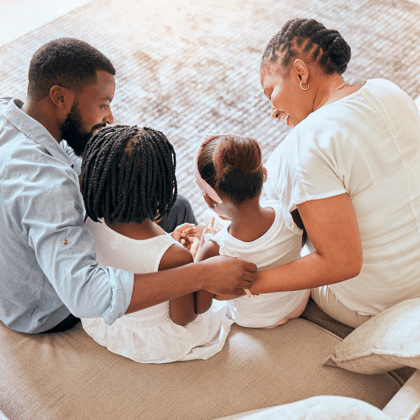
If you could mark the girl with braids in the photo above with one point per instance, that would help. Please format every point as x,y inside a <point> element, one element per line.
<point>230,174</point>
<point>350,169</point>
<point>128,179</point>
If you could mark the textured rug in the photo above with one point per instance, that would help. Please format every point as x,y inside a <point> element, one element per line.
<point>190,67</point>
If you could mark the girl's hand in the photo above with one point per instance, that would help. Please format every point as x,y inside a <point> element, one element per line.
<point>187,234</point>
<point>199,242</point>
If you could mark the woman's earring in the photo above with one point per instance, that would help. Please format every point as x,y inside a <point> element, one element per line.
<point>214,206</point>
<point>302,87</point>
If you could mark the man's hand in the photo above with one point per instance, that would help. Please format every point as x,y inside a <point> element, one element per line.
<point>229,276</point>
<point>227,297</point>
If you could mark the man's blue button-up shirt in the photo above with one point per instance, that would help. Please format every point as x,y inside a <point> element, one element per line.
<point>48,262</point>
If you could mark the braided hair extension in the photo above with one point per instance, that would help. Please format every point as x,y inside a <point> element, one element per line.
<point>325,45</point>
<point>128,175</point>
<point>232,165</point>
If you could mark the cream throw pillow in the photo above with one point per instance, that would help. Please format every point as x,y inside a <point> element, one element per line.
<point>386,342</point>
<point>317,408</point>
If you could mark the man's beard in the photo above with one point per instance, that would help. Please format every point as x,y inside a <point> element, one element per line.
<point>71,131</point>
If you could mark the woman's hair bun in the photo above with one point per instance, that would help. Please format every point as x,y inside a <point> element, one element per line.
<point>339,53</point>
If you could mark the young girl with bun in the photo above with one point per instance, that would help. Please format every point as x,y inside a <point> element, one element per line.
<point>230,174</point>
<point>128,180</point>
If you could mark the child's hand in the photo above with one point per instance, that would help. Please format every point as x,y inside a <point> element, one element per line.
<point>187,234</point>
<point>199,242</point>
<point>181,230</point>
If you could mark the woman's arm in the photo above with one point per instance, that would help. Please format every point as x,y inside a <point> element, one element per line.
<point>332,227</point>
<point>181,309</point>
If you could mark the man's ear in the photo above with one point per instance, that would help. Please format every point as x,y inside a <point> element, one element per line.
<point>264,174</point>
<point>61,97</point>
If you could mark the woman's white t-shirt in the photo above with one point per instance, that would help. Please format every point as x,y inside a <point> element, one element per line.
<point>368,146</point>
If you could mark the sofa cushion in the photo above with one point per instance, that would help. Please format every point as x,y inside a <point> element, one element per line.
<point>317,408</point>
<point>69,376</point>
<point>387,341</point>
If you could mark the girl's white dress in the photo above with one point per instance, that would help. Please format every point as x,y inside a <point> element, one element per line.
<point>149,335</point>
<point>279,245</point>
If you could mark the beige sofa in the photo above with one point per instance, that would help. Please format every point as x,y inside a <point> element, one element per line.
<point>69,376</point>
<point>303,370</point>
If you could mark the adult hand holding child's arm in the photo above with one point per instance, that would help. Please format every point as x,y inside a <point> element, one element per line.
<point>218,275</point>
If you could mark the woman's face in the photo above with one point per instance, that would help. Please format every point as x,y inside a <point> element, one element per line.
<point>288,101</point>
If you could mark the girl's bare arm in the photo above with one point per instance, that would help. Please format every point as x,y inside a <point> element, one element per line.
<point>203,298</point>
<point>181,309</point>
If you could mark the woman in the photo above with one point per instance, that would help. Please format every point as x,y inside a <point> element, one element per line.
<point>350,168</point>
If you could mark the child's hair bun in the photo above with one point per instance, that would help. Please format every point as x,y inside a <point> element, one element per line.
<point>236,153</point>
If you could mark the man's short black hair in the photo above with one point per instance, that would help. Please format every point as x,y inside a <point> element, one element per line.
<point>67,62</point>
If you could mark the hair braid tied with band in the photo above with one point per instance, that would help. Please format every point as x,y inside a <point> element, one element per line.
<point>128,175</point>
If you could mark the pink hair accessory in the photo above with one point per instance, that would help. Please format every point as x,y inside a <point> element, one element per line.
<point>204,186</point>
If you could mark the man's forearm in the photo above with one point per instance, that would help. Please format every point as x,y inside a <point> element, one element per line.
<point>217,275</point>
<point>154,288</point>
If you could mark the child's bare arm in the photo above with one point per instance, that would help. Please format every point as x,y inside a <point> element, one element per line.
<point>181,309</point>
<point>203,298</point>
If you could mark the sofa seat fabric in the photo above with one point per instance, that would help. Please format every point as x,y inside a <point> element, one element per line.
<point>69,376</point>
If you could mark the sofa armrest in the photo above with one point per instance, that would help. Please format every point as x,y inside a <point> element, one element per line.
<point>406,402</point>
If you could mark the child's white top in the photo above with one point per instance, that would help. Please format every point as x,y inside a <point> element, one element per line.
<point>149,335</point>
<point>368,146</point>
<point>279,245</point>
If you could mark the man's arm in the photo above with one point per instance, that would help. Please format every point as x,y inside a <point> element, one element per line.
<point>53,223</point>
<point>217,275</point>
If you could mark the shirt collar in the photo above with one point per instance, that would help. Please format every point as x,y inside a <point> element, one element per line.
<point>34,130</point>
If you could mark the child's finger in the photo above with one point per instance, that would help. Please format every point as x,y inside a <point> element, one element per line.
<point>211,224</point>
<point>194,246</point>
<point>190,232</point>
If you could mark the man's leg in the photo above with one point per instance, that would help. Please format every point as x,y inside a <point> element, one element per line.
<point>64,325</point>
<point>180,213</point>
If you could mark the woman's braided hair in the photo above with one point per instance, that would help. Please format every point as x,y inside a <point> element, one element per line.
<point>128,175</point>
<point>325,45</point>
